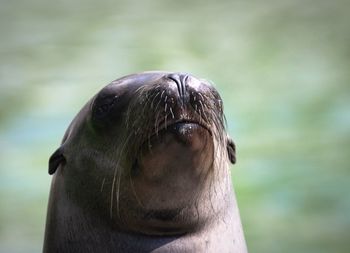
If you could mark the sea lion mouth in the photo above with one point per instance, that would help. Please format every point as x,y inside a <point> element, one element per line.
<point>180,123</point>
<point>182,129</point>
<point>174,145</point>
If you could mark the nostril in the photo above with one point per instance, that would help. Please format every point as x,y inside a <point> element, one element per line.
<point>181,82</point>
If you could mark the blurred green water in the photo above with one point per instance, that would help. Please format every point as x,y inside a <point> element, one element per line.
<point>282,68</point>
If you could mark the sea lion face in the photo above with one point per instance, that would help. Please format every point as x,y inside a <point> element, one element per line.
<point>145,150</point>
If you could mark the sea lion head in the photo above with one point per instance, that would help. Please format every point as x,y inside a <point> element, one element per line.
<point>147,153</point>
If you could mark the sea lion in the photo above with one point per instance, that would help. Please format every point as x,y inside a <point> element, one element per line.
<point>144,167</point>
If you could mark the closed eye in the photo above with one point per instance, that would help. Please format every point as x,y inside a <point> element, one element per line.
<point>102,110</point>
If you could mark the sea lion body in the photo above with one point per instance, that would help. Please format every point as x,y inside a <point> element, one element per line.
<point>144,167</point>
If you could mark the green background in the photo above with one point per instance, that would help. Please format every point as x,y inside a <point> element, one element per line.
<point>282,68</point>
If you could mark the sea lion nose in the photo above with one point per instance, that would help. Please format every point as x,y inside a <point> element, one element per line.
<point>182,85</point>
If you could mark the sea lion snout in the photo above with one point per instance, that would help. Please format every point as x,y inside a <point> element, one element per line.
<point>189,90</point>
<point>178,98</point>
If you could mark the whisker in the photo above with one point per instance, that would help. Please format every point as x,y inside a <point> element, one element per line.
<point>103,183</point>
<point>172,114</point>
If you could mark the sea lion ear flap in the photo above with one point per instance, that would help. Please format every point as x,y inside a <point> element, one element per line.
<point>55,160</point>
<point>231,150</point>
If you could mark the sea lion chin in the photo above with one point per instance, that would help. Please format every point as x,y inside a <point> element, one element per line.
<point>144,167</point>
